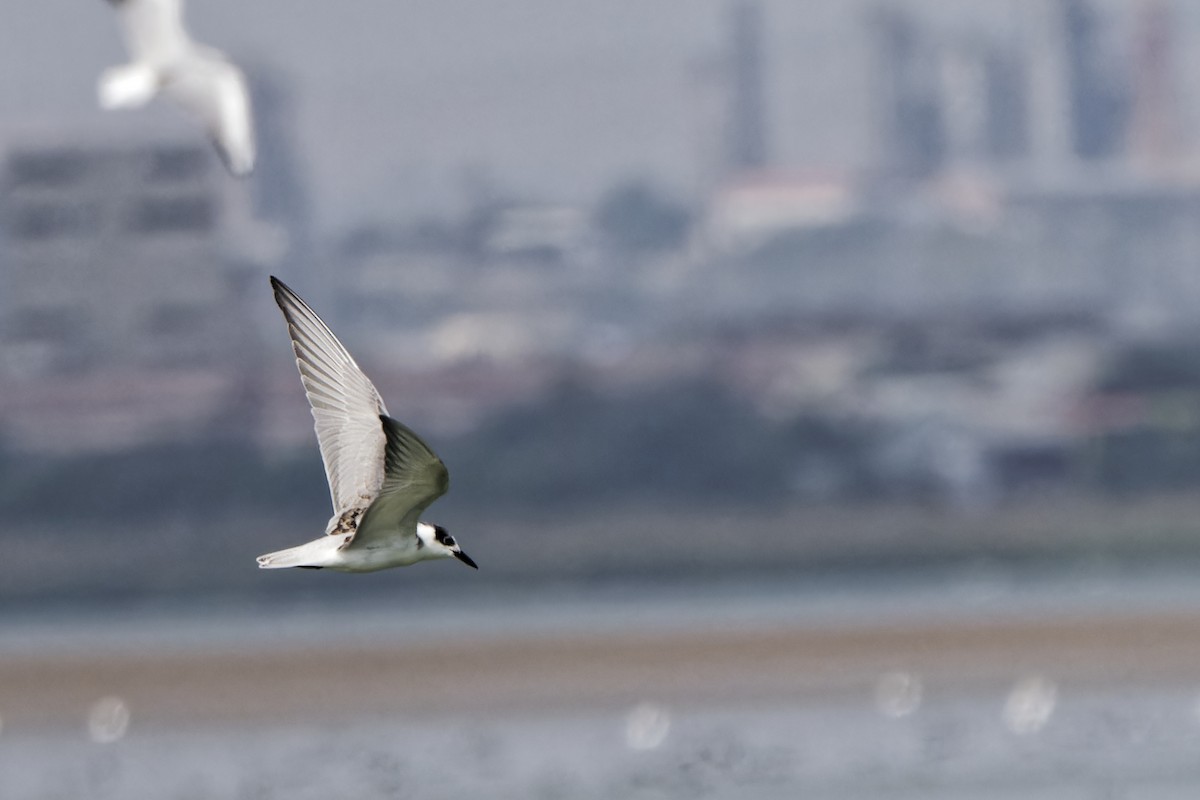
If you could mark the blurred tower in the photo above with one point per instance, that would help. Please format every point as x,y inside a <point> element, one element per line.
<point>279,195</point>
<point>707,94</point>
<point>283,240</point>
<point>747,126</point>
<point>907,96</point>
<point>983,100</point>
<point>1153,127</point>
<point>964,100</point>
<point>1050,116</point>
<point>1006,105</point>
<point>1099,106</point>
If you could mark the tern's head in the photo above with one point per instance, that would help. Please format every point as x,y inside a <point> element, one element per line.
<point>441,544</point>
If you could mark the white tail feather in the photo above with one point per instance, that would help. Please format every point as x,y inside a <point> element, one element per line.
<point>319,553</point>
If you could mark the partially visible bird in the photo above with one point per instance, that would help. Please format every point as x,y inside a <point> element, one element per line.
<point>381,475</point>
<point>163,58</point>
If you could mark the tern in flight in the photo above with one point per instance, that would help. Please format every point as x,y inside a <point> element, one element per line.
<point>381,475</point>
<point>163,58</point>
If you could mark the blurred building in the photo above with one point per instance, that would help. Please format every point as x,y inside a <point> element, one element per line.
<point>1061,87</point>
<point>727,95</point>
<point>748,214</point>
<point>279,196</point>
<point>706,86</point>
<point>983,102</point>
<point>1154,125</point>
<point>123,264</point>
<point>114,256</point>
<point>907,96</point>
<point>747,122</point>
<point>1098,99</point>
<point>1007,105</point>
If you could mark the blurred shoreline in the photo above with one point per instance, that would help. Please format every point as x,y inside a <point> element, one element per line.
<point>726,668</point>
<point>438,654</point>
<point>204,562</point>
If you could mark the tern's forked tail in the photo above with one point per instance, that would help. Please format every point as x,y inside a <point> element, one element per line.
<point>320,553</point>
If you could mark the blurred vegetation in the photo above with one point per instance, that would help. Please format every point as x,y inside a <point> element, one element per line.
<point>685,444</point>
<point>1152,368</point>
<point>679,442</point>
<point>1159,446</point>
<point>584,466</point>
<point>635,217</point>
<point>1146,460</point>
<point>202,480</point>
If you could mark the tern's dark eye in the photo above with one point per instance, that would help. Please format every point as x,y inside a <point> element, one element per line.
<point>448,541</point>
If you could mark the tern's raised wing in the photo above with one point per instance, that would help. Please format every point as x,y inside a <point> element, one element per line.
<point>345,405</point>
<point>213,88</point>
<point>153,29</point>
<point>413,478</point>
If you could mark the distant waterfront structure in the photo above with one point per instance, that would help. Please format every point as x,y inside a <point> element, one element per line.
<point>113,252</point>
<point>984,100</point>
<point>1056,90</point>
<point>121,264</point>
<point>965,101</point>
<point>907,96</point>
<point>1099,106</point>
<point>1154,126</point>
<point>747,122</point>
<point>945,99</point>
<point>707,87</point>
<point>279,194</point>
<point>747,214</point>
<point>1007,103</point>
<point>1049,113</point>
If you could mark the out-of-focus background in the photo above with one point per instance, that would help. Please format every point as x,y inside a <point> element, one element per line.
<point>820,385</point>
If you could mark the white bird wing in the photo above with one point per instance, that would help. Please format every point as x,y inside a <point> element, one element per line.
<point>127,85</point>
<point>213,88</point>
<point>153,29</point>
<point>413,478</point>
<point>346,407</point>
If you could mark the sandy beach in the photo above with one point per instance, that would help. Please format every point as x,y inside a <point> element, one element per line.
<point>992,686</point>
<point>578,671</point>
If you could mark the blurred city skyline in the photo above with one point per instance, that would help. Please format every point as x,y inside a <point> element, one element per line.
<point>550,101</point>
<point>967,282</point>
<point>819,383</point>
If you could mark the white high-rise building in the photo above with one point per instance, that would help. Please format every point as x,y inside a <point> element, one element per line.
<point>116,254</point>
<point>125,278</point>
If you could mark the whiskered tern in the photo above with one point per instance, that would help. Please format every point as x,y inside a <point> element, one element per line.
<point>381,475</point>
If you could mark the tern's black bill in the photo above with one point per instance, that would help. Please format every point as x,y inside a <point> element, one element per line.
<point>466,559</point>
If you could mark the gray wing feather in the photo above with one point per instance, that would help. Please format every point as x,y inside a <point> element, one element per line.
<point>345,405</point>
<point>413,478</point>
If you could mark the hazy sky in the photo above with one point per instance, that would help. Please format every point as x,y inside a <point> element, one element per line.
<point>395,98</point>
<point>556,98</point>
